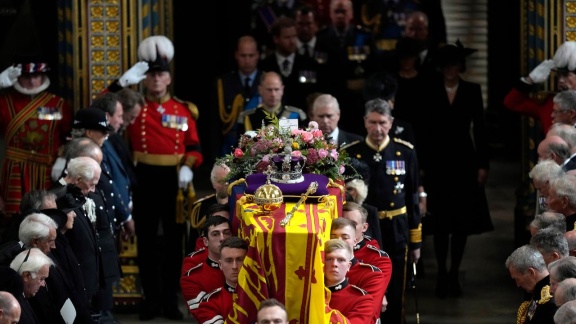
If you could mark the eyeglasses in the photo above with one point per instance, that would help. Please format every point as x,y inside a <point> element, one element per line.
<point>25,259</point>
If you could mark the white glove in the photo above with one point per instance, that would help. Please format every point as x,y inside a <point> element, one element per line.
<point>542,71</point>
<point>134,75</point>
<point>185,177</point>
<point>9,76</point>
<point>58,168</point>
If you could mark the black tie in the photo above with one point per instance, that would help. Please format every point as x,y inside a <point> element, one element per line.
<point>285,66</point>
<point>247,87</point>
<point>306,48</point>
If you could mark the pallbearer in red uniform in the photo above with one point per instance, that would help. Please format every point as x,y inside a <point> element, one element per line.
<point>353,302</point>
<point>33,124</point>
<point>166,150</point>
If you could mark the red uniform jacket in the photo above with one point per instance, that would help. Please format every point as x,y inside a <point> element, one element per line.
<point>166,127</point>
<point>33,129</point>
<point>519,101</point>
<point>367,253</point>
<point>371,279</point>
<point>200,279</point>
<point>215,306</point>
<point>353,302</point>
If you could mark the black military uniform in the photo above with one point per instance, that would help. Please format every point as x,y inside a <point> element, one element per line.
<point>393,190</point>
<point>540,308</point>
<point>252,119</point>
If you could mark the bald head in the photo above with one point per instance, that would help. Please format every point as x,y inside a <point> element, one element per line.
<point>555,148</point>
<point>9,308</point>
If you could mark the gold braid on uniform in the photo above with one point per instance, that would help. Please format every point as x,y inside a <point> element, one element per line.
<point>545,295</point>
<point>522,310</point>
<point>228,119</point>
<point>237,182</point>
<point>369,22</point>
<point>416,234</point>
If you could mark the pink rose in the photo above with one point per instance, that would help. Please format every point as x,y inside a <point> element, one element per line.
<point>317,133</point>
<point>238,153</point>
<point>296,154</point>
<point>341,169</point>
<point>334,154</point>
<point>307,136</point>
<point>322,153</point>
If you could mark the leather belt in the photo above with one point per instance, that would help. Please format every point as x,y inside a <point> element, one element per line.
<point>158,159</point>
<point>391,213</point>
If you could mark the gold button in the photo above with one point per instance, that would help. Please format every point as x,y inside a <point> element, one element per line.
<point>398,153</point>
<point>143,133</point>
<point>143,139</point>
<point>391,204</point>
<point>396,179</point>
<point>177,142</point>
<point>358,156</point>
<point>395,192</point>
<point>176,148</point>
<point>144,146</point>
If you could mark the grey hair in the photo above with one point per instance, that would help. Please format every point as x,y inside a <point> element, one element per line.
<point>550,219</point>
<point>564,131</point>
<point>545,171</point>
<point>550,240</point>
<point>563,268</point>
<point>378,105</point>
<point>565,187</point>
<point>83,167</point>
<point>36,260</point>
<point>566,313</point>
<point>524,258</point>
<point>566,100</point>
<point>565,292</point>
<point>35,226</point>
<point>36,199</point>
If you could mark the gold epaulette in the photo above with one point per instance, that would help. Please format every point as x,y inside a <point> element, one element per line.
<point>191,106</point>
<point>545,295</point>
<point>196,220</point>
<point>397,140</point>
<point>343,147</point>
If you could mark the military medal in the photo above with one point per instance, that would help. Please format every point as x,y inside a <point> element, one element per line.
<point>389,167</point>
<point>160,109</point>
<point>532,309</point>
<point>377,157</point>
<point>49,113</point>
<point>175,121</point>
<point>399,187</point>
<point>401,167</point>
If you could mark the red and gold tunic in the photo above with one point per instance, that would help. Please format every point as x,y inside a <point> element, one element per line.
<point>33,134</point>
<point>165,133</point>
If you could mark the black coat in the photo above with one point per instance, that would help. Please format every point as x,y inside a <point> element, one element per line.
<point>84,245</point>
<point>453,157</point>
<point>11,282</point>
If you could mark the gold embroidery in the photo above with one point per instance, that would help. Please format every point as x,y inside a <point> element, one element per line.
<point>521,316</point>
<point>545,295</point>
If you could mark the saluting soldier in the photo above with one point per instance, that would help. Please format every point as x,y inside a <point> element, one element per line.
<point>166,148</point>
<point>393,190</point>
<point>271,89</point>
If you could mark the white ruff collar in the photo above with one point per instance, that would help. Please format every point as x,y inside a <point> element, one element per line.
<point>32,92</point>
<point>90,209</point>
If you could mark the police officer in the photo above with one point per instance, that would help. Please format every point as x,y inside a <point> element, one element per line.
<point>393,190</point>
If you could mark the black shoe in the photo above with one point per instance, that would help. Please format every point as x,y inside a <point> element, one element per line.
<point>173,314</point>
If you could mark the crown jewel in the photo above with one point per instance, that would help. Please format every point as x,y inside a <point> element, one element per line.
<point>287,168</point>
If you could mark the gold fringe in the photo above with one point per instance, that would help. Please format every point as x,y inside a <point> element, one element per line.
<point>235,183</point>
<point>522,310</point>
<point>180,207</point>
<point>332,184</point>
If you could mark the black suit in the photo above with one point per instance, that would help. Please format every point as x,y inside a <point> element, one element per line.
<point>295,91</point>
<point>347,137</point>
<point>11,282</point>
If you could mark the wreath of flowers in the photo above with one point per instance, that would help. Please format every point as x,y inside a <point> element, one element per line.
<point>256,149</point>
